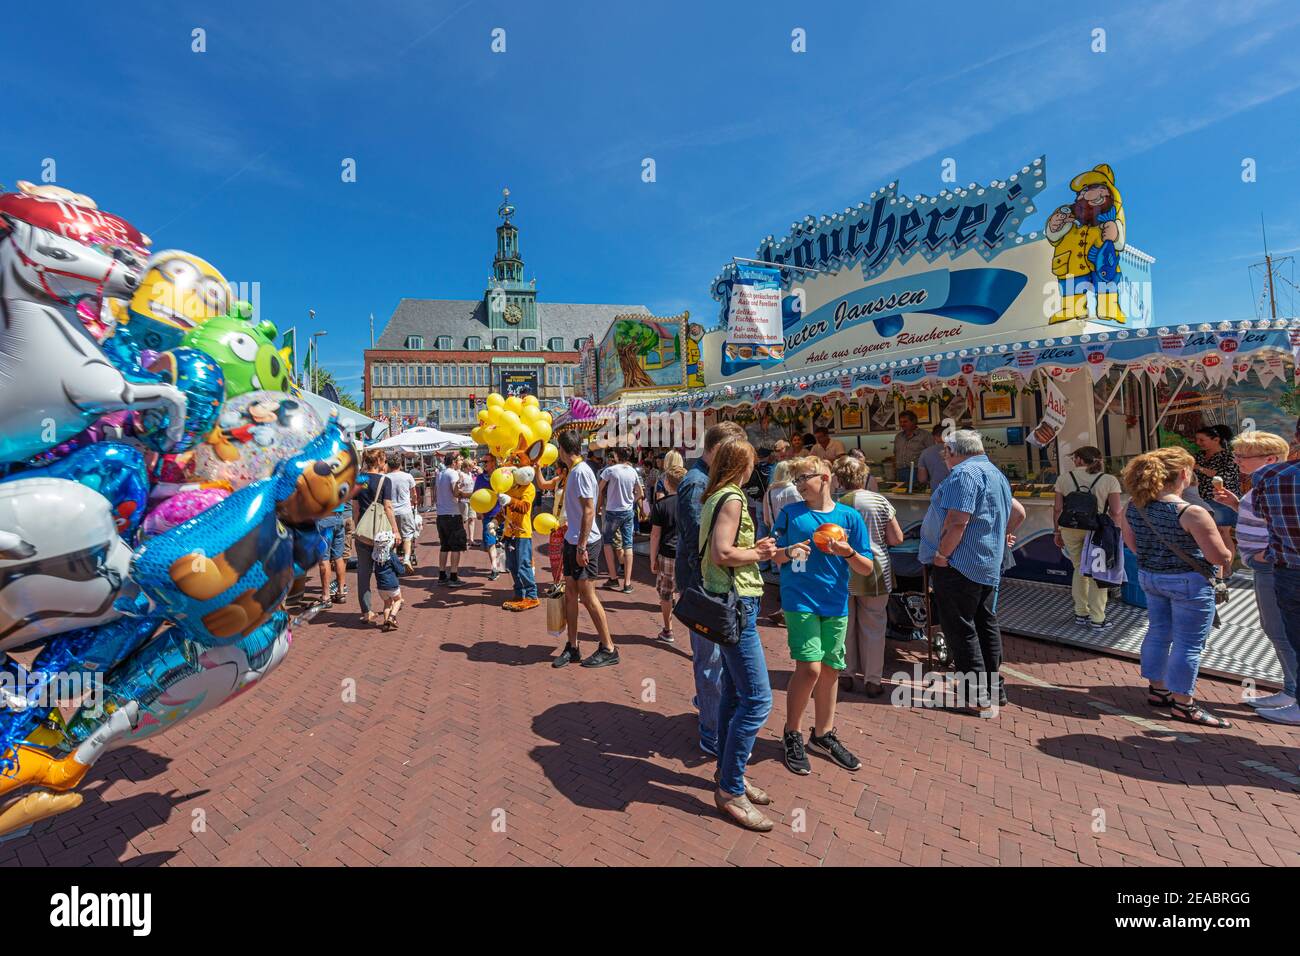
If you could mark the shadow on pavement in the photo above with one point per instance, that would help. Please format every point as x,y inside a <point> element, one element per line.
<point>602,756</point>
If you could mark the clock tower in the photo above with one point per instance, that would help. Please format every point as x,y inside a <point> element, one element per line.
<point>511,302</point>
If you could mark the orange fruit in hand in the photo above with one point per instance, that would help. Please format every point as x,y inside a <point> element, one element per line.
<point>827,533</point>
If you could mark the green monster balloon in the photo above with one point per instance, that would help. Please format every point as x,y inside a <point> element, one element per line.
<point>245,350</point>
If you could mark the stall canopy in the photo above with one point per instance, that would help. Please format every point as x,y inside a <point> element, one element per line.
<point>425,440</point>
<point>905,294</point>
<point>355,423</point>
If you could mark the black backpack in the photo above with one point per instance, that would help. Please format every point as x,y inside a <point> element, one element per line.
<point>1079,509</point>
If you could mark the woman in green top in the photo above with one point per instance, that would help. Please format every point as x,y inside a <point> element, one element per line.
<point>730,557</point>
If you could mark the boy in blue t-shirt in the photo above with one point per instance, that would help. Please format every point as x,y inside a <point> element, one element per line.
<point>815,600</point>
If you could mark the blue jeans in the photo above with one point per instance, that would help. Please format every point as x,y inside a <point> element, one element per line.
<point>746,700</point>
<point>622,522</point>
<point>519,562</point>
<point>384,575</point>
<point>1286,585</point>
<point>1180,611</point>
<point>1270,620</point>
<point>331,531</point>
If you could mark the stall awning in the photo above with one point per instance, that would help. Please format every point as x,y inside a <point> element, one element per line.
<point>1227,351</point>
<point>353,422</point>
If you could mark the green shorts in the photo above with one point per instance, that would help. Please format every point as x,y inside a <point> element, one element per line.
<point>815,638</point>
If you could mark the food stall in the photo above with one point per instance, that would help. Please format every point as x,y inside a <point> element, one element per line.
<point>954,308</point>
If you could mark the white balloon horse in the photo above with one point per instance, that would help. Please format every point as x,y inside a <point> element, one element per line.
<point>55,254</point>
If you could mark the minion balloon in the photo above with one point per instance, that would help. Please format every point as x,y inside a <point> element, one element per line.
<point>177,293</point>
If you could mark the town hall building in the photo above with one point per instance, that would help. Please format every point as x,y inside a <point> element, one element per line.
<point>437,359</point>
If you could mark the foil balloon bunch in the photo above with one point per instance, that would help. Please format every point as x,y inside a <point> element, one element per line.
<point>161,476</point>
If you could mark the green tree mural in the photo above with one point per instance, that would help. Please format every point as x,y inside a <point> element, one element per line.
<point>632,340</point>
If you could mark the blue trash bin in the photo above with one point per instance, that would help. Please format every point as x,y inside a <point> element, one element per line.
<point>1132,592</point>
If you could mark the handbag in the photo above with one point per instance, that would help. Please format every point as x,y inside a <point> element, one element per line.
<point>1221,592</point>
<point>375,520</point>
<point>714,617</point>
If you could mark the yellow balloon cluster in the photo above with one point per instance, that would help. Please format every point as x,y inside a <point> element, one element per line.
<point>509,423</point>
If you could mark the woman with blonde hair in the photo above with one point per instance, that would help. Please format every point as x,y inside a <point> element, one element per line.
<point>1252,451</point>
<point>868,597</point>
<point>1178,548</point>
<point>729,558</point>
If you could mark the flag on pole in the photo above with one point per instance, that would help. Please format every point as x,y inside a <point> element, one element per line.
<point>290,340</point>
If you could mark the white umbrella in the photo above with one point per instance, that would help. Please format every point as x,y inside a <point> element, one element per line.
<point>424,440</point>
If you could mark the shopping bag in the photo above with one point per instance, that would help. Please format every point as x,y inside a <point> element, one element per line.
<point>556,621</point>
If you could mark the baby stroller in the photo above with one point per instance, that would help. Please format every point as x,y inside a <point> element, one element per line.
<point>909,603</point>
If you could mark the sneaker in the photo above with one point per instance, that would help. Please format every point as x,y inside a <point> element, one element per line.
<point>570,655</point>
<point>453,578</point>
<point>523,604</point>
<point>1099,625</point>
<point>493,575</point>
<point>1081,620</point>
<point>612,585</point>
<point>1282,715</point>
<point>829,746</point>
<point>666,636</point>
<point>601,658</point>
<point>795,757</point>
<point>627,589</point>
<point>1280,699</point>
<point>442,577</point>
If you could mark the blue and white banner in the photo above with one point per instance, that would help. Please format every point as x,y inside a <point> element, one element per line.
<point>754,333</point>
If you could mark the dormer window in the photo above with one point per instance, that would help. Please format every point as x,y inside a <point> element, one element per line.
<point>415,341</point>
<point>474,343</point>
<point>501,344</point>
<point>529,344</point>
<point>444,342</point>
<point>556,345</point>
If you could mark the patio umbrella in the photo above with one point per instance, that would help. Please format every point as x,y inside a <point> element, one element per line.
<point>425,440</point>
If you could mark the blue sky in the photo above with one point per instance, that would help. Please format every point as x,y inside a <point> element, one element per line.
<point>235,154</point>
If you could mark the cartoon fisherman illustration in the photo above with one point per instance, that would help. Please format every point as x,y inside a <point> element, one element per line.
<point>1088,238</point>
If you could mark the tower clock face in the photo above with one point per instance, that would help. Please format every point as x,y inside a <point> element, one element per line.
<point>513,314</point>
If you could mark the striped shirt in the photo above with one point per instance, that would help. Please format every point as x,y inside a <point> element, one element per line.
<point>1162,525</point>
<point>1252,532</point>
<point>1276,491</point>
<point>877,512</point>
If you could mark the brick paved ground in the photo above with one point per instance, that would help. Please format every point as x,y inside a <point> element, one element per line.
<point>459,724</point>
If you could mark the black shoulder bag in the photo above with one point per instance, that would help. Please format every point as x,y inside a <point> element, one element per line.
<point>714,617</point>
<point>1221,593</point>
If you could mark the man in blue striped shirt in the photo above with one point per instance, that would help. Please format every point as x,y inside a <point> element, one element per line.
<point>964,537</point>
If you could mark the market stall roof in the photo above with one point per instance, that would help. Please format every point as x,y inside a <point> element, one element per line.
<point>424,439</point>
<point>581,415</point>
<point>1213,350</point>
<point>351,421</point>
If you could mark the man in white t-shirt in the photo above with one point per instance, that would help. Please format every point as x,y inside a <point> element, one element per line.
<point>451,526</point>
<point>581,553</point>
<point>403,508</point>
<point>828,449</point>
<point>621,492</point>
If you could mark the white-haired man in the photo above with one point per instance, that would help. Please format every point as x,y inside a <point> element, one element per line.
<point>964,537</point>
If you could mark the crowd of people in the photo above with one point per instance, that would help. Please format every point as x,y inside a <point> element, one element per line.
<point>803,519</point>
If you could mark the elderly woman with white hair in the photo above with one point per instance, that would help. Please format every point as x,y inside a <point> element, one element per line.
<point>964,538</point>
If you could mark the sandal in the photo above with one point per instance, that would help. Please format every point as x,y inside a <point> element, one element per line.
<point>1159,698</point>
<point>390,624</point>
<point>1194,714</point>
